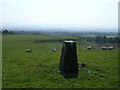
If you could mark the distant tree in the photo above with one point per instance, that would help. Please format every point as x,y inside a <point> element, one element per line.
<point>5,32</point>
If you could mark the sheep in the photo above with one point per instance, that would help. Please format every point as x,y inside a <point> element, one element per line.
<point>104,48</point>
<point>54,50</point>
<point>111,48</point>
<point>89,47</point>
<point>28,50</point>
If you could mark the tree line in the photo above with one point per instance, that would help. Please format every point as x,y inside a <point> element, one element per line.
<point>6,32</point>
<point>99,39</point>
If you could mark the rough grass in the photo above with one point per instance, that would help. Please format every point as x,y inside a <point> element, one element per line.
<point>39,69</point>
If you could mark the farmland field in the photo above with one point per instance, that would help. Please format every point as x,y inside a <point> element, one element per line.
<point>39,69</point>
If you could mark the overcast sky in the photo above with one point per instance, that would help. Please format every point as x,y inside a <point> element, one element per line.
<point>77,13</point>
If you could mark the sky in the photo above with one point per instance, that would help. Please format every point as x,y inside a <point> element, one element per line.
<point>60,13</point>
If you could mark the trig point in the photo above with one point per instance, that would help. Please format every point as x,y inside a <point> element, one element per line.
<point>68,60</point>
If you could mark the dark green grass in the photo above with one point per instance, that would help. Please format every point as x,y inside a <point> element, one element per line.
<point>39,69</point>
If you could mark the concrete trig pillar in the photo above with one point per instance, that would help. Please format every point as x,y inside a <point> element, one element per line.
<point>68,60</point>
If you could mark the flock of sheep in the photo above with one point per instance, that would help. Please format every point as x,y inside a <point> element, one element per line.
<point>88,47</point>
<point>30,50</point>
<point>102,48</point>
<point>107,48</point>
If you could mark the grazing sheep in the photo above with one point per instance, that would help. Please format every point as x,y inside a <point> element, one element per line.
<point>28,50</point>
<point>104,48</point>
<point>54,50</point>
<point>89,47</point>
<point>111,48</point>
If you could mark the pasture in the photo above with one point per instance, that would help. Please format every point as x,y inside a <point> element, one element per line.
<point>39,68</point>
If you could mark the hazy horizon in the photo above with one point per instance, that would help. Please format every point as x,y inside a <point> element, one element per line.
<point>60,14</point>
<point>53,28</point>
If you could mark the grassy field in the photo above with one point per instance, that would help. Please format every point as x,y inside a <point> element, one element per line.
<point>39,69</point>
